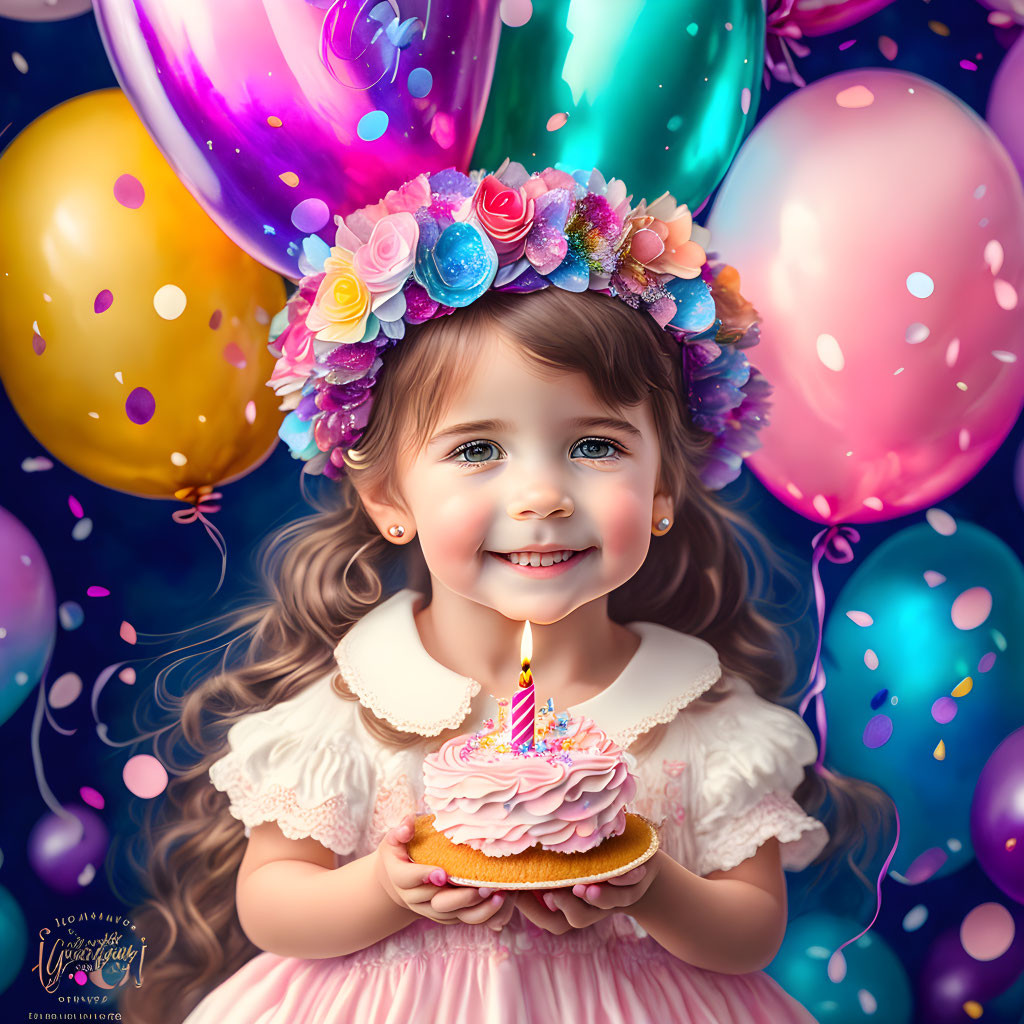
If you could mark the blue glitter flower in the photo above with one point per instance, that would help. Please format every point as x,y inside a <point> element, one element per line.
<point>459,267</point>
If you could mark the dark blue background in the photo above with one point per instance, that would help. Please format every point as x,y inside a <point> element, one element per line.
<point>161,575</point>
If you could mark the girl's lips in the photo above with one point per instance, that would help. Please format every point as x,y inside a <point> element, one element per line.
<point>544,571</point>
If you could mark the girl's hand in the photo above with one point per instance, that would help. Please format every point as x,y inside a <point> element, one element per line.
<point>558,910</point>
<point>422,887</point>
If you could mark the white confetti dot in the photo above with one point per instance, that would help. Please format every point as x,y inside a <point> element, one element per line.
<point>941,522</point>
<point>994,256</point>
<point>920,285</point>
<point>21,678</point>
<point>830,353</point>
<point>915,917</point>
<point>81,529</point>
<point>169,302</point>
<point>1005,357</point>
<point>19,62</point>
<point>979,191</point>
<point>867,1001</point>
<point>916,333</point>
<point>250,411</point>
<point>871,659</point>
<point>860,618</point>
<point>178,459</point>
<point>1006,294</point>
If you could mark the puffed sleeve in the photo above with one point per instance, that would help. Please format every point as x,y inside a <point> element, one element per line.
<point>302,765</point>
<point>751,757</point>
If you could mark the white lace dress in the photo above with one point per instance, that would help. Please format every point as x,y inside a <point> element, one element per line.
<point>718,783</point>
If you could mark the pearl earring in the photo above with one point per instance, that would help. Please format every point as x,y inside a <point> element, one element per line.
<point>662,527</point>
<point>396,530</point>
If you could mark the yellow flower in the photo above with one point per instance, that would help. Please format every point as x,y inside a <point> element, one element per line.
<point>342,305</point>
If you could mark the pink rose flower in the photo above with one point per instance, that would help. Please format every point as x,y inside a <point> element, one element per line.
<point>506,214</point>
<point>294,345</point>
<point>386,259</point>
<point>664,245</point>
<point>410,197</point>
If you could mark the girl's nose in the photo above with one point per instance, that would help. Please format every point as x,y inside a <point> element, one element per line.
<point>539,502</point>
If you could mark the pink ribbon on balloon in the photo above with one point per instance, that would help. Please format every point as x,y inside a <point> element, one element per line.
<point>836,544</point>
<point>198,498</point>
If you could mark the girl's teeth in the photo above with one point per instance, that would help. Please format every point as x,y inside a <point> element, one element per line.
<point>535,558</point>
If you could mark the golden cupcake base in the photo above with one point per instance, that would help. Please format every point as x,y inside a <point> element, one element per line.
<point>535,868</point>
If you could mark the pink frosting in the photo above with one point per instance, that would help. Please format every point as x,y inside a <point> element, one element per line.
<point>567,800</point>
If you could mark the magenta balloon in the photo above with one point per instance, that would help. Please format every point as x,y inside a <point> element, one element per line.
<point>819,17</point>
<point>43,10</point>
<point>266,138</point>
<point>997,816</point>
<point>878,226</point>
<point>28,613</point>
<point>1005,100</point>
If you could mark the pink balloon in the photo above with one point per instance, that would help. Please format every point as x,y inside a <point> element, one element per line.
<point>819,17</point>
<point>878,226</point>
<point>271,142</point>
<point>1004,102</point>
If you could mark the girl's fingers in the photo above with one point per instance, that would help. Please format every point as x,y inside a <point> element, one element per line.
<point>630,877</point>
<point>482,912</point>
<point>457,897</point>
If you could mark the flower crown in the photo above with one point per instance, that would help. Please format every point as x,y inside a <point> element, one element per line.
<point>440,241</point>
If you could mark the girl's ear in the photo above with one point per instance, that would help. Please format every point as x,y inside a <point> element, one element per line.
<point>395,522</point>
<point>664,508</point>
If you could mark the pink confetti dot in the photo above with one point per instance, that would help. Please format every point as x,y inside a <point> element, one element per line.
<point>516,13</point>
<point>933,578</point>
<point>81,978</point>
<point>235,356</point>
<point>127,676</point>
<point>144,776</point>
<point>76,507</point>
<point>941,522</point>
<point>65,690</point>
<point>38,343</point>
<point>871,659</point>
<point>92,797</point>
<point>968,65</point>
<point>860,618</point>
<point>140,405</point>
<point>215,319</point>
<point>442,130</point>
<point>103,301</point>
<point>971,608</point>
<point>128,191</point>
<point>128,634</point>
<point>745,101</point>
<point>556,121</point>
<point>98,592</point>
<point>887,47</point>
<point>987,932</point>
<point>1006,294</point>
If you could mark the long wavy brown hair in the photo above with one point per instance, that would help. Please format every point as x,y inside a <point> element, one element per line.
<point>320,574</point>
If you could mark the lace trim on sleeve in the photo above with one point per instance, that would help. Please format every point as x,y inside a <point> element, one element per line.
<point>802,837</point>
<point>626,737</point>
<point>368,697</point>
<point>329,823</point>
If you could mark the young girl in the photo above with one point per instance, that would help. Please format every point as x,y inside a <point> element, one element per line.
<point>519,429</point>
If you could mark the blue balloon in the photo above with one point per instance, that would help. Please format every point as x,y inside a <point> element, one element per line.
<point>13,939</point>
<point>893,718</point>
<point>874,988</point>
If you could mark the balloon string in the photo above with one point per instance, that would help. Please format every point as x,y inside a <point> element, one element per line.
<point>37,761</point>
<point>835,544</point>
<point>198,498</point>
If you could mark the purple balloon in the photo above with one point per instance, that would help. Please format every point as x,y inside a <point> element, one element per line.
<point>28,613</point>
<point>997,816</point>
<point>1004,104</point>
<point>237,96</point>
<point>950,976</point>
<point>65,855</point>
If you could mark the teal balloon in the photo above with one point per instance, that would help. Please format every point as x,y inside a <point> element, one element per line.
<point>885,724</point>
<point>874,988</point>
<point>13,939</point>
<point>659,94</point>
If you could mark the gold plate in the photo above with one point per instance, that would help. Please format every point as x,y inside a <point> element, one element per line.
<point>535,868</point>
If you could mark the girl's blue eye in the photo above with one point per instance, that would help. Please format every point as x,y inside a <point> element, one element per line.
<point>595,448</point>
<point>475,451</point>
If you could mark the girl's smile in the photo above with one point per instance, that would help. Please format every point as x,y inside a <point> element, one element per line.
<point>540,563</point>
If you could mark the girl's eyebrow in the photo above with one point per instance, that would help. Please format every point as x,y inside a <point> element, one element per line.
<point>498,426</point>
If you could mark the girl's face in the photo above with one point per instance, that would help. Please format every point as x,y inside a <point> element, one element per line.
<point>527,460</point>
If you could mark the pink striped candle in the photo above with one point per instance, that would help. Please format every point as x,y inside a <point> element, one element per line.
<point>524,702</point>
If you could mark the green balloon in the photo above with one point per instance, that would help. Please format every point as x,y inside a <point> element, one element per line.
<point>659,94</point>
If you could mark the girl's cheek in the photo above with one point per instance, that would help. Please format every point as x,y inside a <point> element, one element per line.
<point>625,524</point>
<point>458,526</point>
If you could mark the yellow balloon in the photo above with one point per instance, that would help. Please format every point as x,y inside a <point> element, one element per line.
<point>132,329</point>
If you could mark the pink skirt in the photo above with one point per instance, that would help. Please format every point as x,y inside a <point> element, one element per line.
<point>532,977</point>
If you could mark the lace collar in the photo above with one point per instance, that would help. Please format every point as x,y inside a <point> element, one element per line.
<point>385,664</point>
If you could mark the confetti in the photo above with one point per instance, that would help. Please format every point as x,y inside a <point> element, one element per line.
<point>290,178</point>
<point>939,28</point>
<point>215,319</point>
<point>38,464</point>
<point>420,82</point>
<point>933,578</point>
<point>920,285</point>
<point>71,615</point>
<point>941,522</point>
<point>830,353</point>
<point>82,529</point>
<point>916,333</point>
<point>556,121</point>
<point>140,405</point>
<point>877,732</point>
<point>515,13</point>
<point>178,458</point>
<point>144,776</point>
<point>987,932</point>
<point>65,690</point>
<point>91,797</point>
<point>96,591</point>
<point>103,301</point>
<point>128,191</point>
<point>127,633</point>
<point>19,62</point>
<point>274,121</point>
<point>854,97</point>
<point>169,301</point>
<point>76,507</point>
<point>915,918</point>
<point>987,661</point>
<point>887,47</point>
<point>372,125</point>
<point>1006,294</point>
<point>963,688</point>
<point>127,676</point>
<point>860,618</point>
<point>235,356</point>
<point>442,130</point>
<point>968,65</point>
<point>871,659</point>
<point>745,101</point>
<point>310,215</point>
<point>250,412</point>
<point>971,608</point>
<point>944,710</point>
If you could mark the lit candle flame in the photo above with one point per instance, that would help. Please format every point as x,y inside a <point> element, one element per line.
<point>526,647</point>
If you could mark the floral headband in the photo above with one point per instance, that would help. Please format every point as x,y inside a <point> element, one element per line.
<point>440,241</point>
